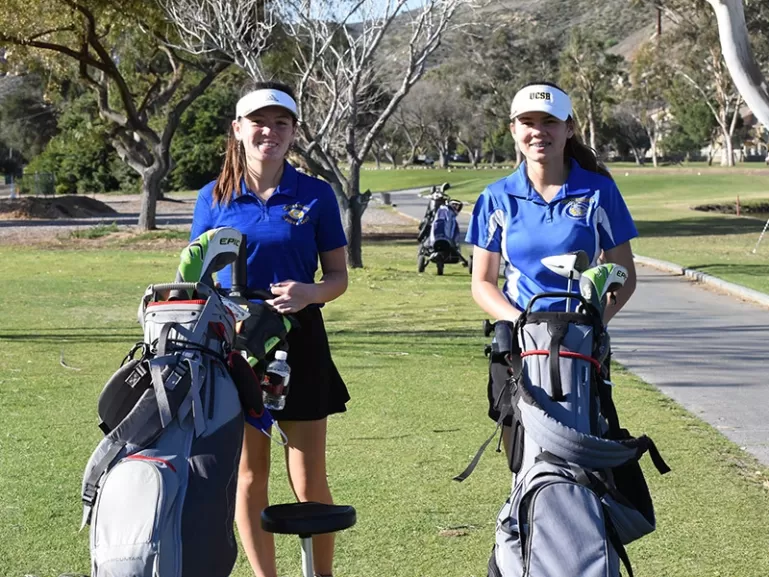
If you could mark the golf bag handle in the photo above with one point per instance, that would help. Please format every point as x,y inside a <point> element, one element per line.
<point>563,295</point>
<point>199,288</point>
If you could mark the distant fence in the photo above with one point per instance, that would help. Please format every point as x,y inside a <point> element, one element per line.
<point>37,183</point>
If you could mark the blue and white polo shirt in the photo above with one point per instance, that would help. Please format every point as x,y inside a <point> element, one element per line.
<point>284,235</point>
<point>511,218</point>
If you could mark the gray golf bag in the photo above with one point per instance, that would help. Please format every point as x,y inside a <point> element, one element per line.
<point>579,495</point>
<point>159,490</point>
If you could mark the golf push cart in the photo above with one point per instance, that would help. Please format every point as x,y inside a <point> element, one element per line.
<point>438,236</point>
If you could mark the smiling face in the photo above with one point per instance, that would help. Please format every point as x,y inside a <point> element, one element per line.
<point>541,137</point>
<point>266,134</point>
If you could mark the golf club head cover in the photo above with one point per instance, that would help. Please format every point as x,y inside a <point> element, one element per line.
<point>248,384</point>
<point>207,254</point>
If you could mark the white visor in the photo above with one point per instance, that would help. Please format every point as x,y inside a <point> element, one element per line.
<point>541,98</point>
<point>263,98</point>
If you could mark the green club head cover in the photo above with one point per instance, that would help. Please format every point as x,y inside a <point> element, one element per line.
<point>207,254</point>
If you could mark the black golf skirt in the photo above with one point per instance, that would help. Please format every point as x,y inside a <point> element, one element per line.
<point>315,389</point>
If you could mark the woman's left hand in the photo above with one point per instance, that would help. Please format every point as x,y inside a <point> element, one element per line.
<point>290,296</point>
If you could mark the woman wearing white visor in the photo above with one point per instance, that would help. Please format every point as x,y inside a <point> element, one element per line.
<point>292,224</point>
<point>559,200</point>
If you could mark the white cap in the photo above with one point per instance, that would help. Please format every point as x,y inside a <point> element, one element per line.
<point>281,355</point>
<point>263,98</point>
<point>541,98</point>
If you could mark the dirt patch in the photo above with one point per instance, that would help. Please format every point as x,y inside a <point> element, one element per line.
<point>748,208</point>
<point>37,207</point>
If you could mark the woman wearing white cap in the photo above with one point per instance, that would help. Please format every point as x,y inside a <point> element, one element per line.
<point>559,200</point>
<point>292,222</point>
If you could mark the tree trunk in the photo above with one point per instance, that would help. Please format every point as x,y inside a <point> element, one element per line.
<point>653,140</point>
<point>591,124</point>
<point>151,179</point>
<point>353,205</point>
<point>637,156</point>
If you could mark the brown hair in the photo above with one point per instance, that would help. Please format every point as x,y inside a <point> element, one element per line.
<point>234,164</point>
<point>575,148</point>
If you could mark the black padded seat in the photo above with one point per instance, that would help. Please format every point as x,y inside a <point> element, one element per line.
<point>305,519</point>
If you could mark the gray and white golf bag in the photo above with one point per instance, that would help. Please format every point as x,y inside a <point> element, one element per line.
<point>159,490</point>
<point>579,494</point>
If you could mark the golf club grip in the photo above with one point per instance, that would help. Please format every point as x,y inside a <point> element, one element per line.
<point>240,269</point>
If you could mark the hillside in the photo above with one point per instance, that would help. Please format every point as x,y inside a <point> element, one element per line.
<point>626,24</point>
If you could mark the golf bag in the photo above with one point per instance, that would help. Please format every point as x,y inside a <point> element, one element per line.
<point>439,234</point>
<point>579,494</point>
<point>159,490</point>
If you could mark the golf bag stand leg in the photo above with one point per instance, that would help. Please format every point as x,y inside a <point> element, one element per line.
<point>305,520</point>
<point>458,254</point>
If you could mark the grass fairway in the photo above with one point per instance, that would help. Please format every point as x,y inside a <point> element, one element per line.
<point>410,347</point>
<point>660,201</point>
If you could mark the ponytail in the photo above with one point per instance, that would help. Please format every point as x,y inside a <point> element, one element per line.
<point>584,156</point>
<point>233,170</point>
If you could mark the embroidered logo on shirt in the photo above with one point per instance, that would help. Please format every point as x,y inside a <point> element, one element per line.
<point>577,208</point>
<point>296,214</point>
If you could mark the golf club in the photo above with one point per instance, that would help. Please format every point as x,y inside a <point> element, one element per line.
<point>569,265</point>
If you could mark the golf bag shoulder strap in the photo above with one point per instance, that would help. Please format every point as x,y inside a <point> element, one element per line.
<point>482,449</point>
<point>515,368</point>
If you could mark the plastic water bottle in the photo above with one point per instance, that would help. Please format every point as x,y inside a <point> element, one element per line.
<point>275,382</point>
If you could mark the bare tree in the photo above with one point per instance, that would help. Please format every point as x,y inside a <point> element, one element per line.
<point>347,54</point>
<point>240,30</point>
<point>735,45</point>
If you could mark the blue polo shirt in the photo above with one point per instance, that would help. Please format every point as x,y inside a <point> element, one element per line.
<point>284,235</point>
<point>511,218</point>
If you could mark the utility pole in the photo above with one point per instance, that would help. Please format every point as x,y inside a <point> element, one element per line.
<point>659,22</point>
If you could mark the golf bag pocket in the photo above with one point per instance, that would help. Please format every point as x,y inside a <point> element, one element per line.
<point>629,503</point>
<point>553,526</point>
<point>136,506</point>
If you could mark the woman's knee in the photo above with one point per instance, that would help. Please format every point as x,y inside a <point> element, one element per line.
<point>254,469</point>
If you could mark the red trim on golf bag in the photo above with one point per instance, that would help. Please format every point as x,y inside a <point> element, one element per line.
<point>155,459</point>
<point>189,302</point>
<point>569,354</point>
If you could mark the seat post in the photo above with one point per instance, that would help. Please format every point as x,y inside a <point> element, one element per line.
<point>307,569</point>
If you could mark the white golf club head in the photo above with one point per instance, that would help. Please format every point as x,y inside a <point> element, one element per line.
<point>569,265</point>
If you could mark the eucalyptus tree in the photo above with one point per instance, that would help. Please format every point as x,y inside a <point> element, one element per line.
<point>125,54</point>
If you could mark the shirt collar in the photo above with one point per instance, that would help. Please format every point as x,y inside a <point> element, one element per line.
<point>286,187</point>
<point>519,186</point>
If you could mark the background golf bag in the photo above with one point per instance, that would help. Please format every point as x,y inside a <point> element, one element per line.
<point>579,494</point>
<point>159,490</point>
<point>439,235</point>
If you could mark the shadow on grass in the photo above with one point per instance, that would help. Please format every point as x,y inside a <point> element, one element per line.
<point>726,270</point>
<point>698,226</point>
<point>80,335</point>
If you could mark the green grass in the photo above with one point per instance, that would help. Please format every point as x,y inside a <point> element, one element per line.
<point>410,348</point>
<point>661,204</point>
<point>97,231</point>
